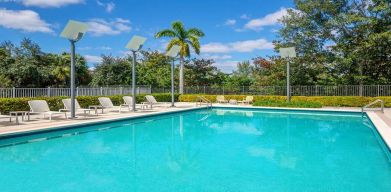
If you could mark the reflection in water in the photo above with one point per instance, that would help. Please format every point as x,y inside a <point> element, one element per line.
<point>181,156</point>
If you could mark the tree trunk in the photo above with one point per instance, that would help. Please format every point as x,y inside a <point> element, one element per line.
<point>181,82</point>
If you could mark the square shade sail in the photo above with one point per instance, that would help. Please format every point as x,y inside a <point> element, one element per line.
<point>73,29</point>
<point>136,43</point>
<point>288,52</point>
<point>174,51</point>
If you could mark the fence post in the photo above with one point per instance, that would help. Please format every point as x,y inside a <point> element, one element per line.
<point>223,89</point>
<point>77,91</point>
<point>138,90</point>
<point>48,91</point>
<point>378,90</point>
<point>13,92</point>
<point>346,90</point>
<point>204,90</point>
<point>121,90</point>
<point>101,90</point>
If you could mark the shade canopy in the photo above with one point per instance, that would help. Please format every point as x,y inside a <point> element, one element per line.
<point>74,30</point>
<point>136,43</point>
<point>288,52</point>
<point>174,51</point>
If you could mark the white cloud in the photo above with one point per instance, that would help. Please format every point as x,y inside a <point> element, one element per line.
<point>104,48</point>
<point>215,48</point>
<point>99,27</point>
<point>216,57</point>
<point>50,3</point>
<point>109,7</point>
<point>93,58</point>
<point>25,20</point>
<point>86,48</point>
<point>238,46</point>
<point>245,16</point>
<point>230,22</point>
<point>268,20</point>
<point>227,66</point>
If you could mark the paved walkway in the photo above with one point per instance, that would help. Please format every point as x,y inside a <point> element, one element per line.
<point>38,123</point>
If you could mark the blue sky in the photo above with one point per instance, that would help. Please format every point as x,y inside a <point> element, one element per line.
<point>235,30</point>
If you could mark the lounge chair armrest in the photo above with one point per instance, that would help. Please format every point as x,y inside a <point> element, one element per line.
<point>64,110</point>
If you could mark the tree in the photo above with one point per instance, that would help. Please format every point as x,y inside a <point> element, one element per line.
<point>339,41</point>
<point>185,39</point>
<point>112,71</point>
<point>200,72</point>
<point>61,70</point>
<point>27,66</point>
<point>154,69</point>
<point>242,76</point>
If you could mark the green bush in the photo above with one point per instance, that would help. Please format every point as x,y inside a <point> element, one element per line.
<point>330,101</point>
<point>55,103</point>
<point>295,104</point>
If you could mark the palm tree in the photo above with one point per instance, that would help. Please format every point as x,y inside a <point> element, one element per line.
<point>185,39</point>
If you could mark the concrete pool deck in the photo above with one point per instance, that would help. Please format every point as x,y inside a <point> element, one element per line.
<point>380,120</point>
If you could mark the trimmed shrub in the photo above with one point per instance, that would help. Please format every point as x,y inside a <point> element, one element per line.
<point>295,104</point>
<point>55,103</point>
<point>330,101</point>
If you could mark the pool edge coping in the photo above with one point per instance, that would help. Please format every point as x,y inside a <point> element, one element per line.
<point>382,128</point>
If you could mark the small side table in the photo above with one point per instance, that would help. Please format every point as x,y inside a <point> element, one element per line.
<point>233,102</point>
<point>96,107</point>
<point>20,113</point>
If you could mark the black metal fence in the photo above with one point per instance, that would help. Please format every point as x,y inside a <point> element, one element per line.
<point>340,90</point>
<point>88,91</point>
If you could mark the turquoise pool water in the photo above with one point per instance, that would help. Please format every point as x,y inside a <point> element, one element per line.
<point>204,150</point>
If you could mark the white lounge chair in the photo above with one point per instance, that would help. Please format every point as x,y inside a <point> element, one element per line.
<point>42,107</point>
<point>221,99</point>
<point>129,101</point>
<point>152,101</point>
<point>6,116</point>
<point>106,103</point>
<point>247,100</point>
<point>68,106</point>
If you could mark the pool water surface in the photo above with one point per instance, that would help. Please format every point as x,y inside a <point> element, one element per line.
<point>204,150</point>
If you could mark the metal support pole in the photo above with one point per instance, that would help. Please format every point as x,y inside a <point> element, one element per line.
<point>134,81</point>
<point>172,84</point>
<point>288,90</point>
<point>73,79</point>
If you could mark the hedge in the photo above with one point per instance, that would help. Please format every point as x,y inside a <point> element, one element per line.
<point>55,103</point>
<point>294,104</point>
<point>330,101</point>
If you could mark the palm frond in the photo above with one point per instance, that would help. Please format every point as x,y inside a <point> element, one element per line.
<point>179,28</point>
<point>196,32</point>
<point>165,33</point>
<point>173,42</point>
<point>195,44</point>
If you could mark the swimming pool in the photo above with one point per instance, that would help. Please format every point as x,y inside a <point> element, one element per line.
<point>215,149</point>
